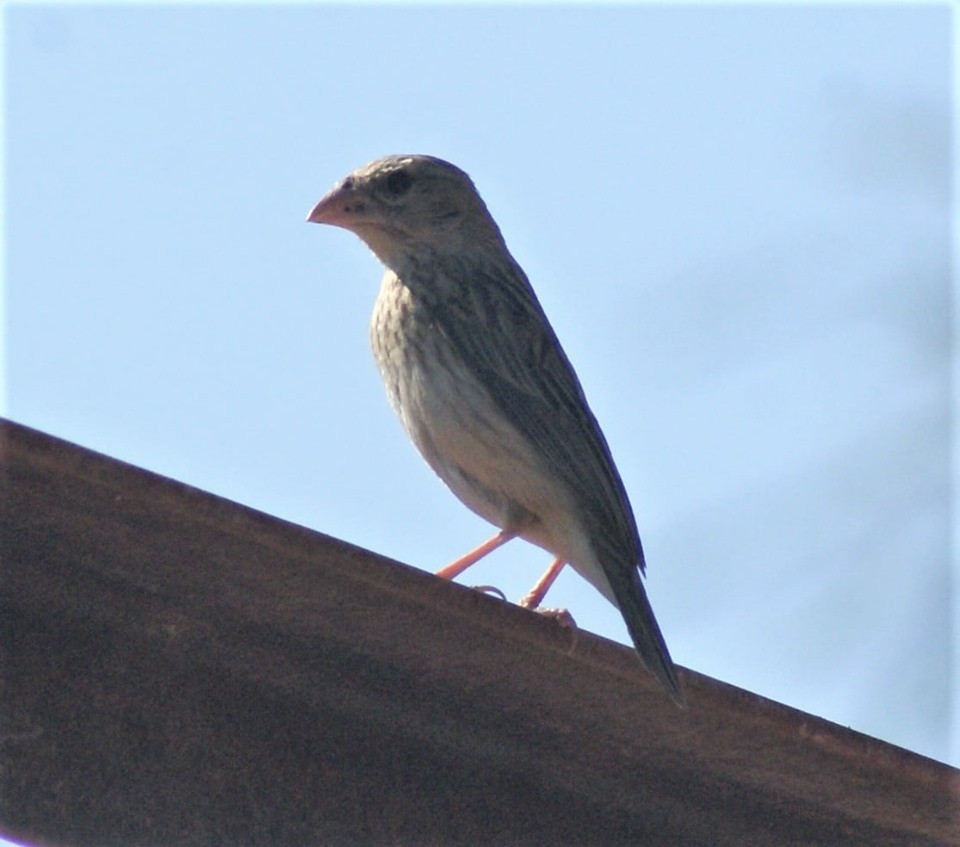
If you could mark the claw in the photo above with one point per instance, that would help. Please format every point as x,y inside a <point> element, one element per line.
<point>490,589</point>
<point>561,616</point>
<point>565,620</point>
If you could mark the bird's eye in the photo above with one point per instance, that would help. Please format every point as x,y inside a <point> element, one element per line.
<point>398,183</point>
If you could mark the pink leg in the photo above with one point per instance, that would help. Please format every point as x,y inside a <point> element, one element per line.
<point>534,597</point>
<point>454,569</point>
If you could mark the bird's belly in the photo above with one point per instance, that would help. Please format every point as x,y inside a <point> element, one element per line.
<point>475,451</point>
<point>457,426</point>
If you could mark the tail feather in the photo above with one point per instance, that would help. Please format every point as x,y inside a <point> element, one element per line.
<point>632,599</point>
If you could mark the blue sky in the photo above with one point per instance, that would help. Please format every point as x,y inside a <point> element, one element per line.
<point>737,218</point>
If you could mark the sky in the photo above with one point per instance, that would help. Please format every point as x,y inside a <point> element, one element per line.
<point>737,218</point>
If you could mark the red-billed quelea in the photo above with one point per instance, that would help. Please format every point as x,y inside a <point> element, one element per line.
<point>476,374</point>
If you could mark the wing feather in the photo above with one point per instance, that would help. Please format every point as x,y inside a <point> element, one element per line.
<point>498,327</point>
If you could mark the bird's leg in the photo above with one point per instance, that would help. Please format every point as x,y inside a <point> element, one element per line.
<point>454,569</point>
<point>534,597</point>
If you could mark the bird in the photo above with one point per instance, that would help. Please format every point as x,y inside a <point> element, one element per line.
<point>478,378</point>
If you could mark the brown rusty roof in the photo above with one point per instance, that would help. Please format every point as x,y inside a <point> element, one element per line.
<point>181,670</point>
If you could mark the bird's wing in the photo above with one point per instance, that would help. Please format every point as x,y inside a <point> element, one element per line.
<point>495,322</point>
<point>500,330</point>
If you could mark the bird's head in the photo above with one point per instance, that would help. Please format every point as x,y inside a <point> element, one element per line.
<point>400,205</point>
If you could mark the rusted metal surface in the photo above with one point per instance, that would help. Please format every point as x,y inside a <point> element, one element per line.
<point>181,670</point>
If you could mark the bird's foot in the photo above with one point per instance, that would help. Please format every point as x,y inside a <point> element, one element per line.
<point>565,621</point>
<point>490,589</point>
<point>561,616</point>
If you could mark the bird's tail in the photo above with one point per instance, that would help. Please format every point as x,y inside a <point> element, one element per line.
<point>632,599</point>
